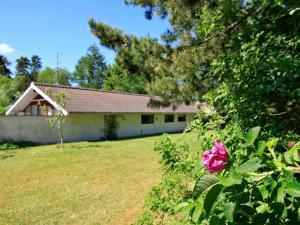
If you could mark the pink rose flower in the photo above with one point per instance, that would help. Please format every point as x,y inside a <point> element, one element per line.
<point>215,159</point>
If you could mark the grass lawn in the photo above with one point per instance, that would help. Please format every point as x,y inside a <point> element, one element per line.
<point>85,183</point>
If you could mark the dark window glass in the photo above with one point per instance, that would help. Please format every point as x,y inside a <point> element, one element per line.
<point>146,119</point>
<point>181,118</point>
<point>169,118</point>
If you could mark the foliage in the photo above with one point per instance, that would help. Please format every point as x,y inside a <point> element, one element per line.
<point>27,71</point>
<point>9,91</point>
<point>35,66</point>
<point>111,126</point>
<point>178,165</point>
<point>240,56</point>
<point>28,67</point>
<point>4,63</point>
<point>58,119</point>
<point>52,76</point>
<point>174,157</point>
<point>162,200</point>
<point>117,79</point>
<point>16,145</point>
<point>89,71</point>
<point>268,91</point>
<point>6,92</point>
<point>259,184</point>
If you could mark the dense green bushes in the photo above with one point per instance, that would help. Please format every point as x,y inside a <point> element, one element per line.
<point>259,184</point>
<point>178,164</point>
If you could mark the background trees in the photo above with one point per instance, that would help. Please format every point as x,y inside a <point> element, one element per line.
<point>4,63</point>
<point>26,71</point>
<point>239,56</point>
<point>118,79</point>
<point>89,71</point>
<point>52,76</point>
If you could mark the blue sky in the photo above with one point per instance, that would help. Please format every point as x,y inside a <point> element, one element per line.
<point>45,27</point>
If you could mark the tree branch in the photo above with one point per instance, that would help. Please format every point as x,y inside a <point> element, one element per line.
<point>226,30</point>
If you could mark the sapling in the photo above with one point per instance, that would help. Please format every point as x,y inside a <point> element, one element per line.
<point>57,120</point>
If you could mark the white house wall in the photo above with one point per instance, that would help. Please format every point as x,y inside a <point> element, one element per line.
<point>82,127</point>
<point>130,125</point>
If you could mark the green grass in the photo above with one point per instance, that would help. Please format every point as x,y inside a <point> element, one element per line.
<point>85,183</point>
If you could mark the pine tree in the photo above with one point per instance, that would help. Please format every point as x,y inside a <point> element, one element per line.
<point>35,66</point>
<point>89,71</point>
<point>4,63</point>
<point>240,56</point>
<point>23,66</point>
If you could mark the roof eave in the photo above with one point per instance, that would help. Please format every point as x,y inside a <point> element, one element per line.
<point>41,93</point>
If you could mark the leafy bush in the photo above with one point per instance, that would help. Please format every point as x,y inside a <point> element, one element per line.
<point>16,145</point>
<point>173,157</point>
<point>178,166</point>
<point>259,184</point>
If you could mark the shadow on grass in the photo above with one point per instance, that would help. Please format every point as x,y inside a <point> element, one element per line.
<point>90,146</point>
<point>6,155</point>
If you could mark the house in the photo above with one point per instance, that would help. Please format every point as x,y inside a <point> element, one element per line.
<point>91,114</point>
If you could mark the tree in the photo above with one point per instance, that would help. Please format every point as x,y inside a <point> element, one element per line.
<point>117,79</point>
<point>6,93</point>
<point>58,119</point>
<point>223,52</point>
<point>4,63</point>
<point>23,66</point>
<point>27,70</point>
<point>51,76</point>
<point>89,71</point>
<point>35,66</point>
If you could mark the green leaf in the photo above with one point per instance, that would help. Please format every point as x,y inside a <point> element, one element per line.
<point>272,143</point>
<point>203,183</point>
<point>229,210</point>
<point>288,157</point>
<point>280,195</point>
<point>295,152</point>
<point>250,166</point>
<point>292,154</point>
<point>293,189</point>
<point>231,179</point>
<point>197,213</point>
<point>211,197</point>
<point>261,147</point>
<point>263,191</point>
<point>264,207</point>
<point>252,135</point>
<point>181,206</point>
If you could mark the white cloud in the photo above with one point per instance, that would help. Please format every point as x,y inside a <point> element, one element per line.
<point>6,49</point>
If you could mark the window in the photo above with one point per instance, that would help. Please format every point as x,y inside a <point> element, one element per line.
<point>147,119</point>
<point>181,118</point>
<point>169,118</point>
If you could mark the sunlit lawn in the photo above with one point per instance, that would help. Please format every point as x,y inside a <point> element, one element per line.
<point>85,183</point>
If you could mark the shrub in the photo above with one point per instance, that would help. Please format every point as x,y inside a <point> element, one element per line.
<point>16,145</point>
<point>259,184</point>
<point>178,166</point>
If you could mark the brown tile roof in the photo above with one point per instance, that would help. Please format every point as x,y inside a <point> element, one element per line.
<point>95,100</point>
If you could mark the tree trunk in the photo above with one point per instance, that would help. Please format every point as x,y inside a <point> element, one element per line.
<point>61,137</point>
